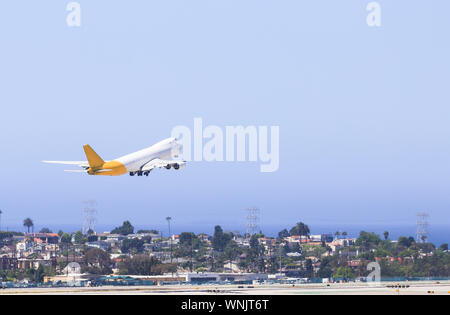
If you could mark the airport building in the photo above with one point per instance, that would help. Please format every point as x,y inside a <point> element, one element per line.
<point>204,277</point>
<point>191,277</point>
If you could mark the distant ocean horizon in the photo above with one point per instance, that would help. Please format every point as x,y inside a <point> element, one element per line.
<point>437,234</point>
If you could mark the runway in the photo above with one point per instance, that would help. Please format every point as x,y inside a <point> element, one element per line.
<point>384,288</point>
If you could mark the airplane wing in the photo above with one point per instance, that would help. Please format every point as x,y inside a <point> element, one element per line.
<point>158,163</point>
<point>83,164</point>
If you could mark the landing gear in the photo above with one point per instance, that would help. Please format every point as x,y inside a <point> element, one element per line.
<point>176,166</point>
<point>140,173</point>
<point>168,166</point>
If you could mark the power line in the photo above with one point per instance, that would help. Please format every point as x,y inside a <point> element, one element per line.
<point>422,227</point>
<point>252,221</point>
<point>89,216</point>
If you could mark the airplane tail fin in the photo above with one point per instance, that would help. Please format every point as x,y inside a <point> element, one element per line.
<point>95,161</point>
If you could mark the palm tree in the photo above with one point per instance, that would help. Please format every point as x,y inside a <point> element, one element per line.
<point>386,235</point>
<point>300,229</point>
<point>344,234</point>
<point>1,220</point>
<point>28,223</point>
<point>337,233</point>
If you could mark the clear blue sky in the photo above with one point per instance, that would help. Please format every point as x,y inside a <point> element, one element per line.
<point>363,112</point>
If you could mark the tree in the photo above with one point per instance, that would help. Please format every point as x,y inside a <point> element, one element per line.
<point>97,261</point>
<point>284,233</point>
<point>45,230</point>
<point>142,265</point>
<point>66,238</point>
<point>28,223</point>
<point>188,239</point>
<point>220,239</point>
<point>344,234</point>
<point>38,275</point>
<point>296,248</point>
<point>309,269</point>
<point>344,272</point>
<point>254,243</point>
<point>386,235</point>
<point>255,255</point>
<point>231,251</point>
<point>300,229</point>
<point>368,240</point>
<point>406,241</point>
<point>188,242</point>
<point>125,229</point>
<point>132,245</point>
<point>79,238</point>
<point>160,269</point>
<point>325,270</point>
<point>444,247</point>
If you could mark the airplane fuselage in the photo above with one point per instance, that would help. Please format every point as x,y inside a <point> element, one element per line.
<point>135,162</point>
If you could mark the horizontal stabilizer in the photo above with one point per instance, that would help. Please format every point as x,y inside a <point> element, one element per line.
<point>80,163</point>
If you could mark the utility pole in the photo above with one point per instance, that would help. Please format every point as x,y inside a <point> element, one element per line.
<point>170,238</point>
<point>280,252</point>
<point>67,261</point>
<point>192,251</point>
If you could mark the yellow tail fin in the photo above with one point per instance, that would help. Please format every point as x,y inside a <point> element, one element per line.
<point>95,161</point>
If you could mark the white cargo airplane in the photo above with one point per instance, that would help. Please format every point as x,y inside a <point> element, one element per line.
<point>138,163</point>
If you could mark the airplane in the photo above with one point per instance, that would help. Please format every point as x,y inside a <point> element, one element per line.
<point>138,163</point>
